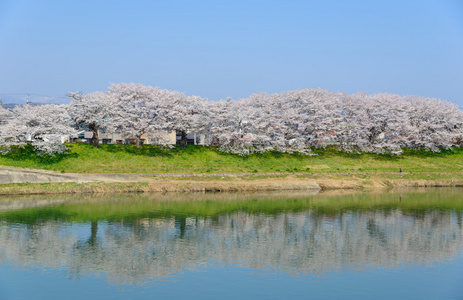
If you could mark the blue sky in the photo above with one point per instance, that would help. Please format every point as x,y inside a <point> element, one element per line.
<point>217,49</point>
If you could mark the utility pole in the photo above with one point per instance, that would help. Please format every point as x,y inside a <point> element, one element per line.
<point>27,98</point>
<point>1,102</point>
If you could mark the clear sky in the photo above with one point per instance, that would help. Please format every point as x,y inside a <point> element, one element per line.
<point>216,49</point>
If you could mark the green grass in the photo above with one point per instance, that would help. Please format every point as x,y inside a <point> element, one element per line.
<point>71,187</point>
<point>82,158</point>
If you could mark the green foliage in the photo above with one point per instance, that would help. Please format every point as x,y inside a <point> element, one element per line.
<point>28,153</point>
<point>424,153</point>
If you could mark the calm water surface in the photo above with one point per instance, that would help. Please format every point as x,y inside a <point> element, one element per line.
<point>388,245</point>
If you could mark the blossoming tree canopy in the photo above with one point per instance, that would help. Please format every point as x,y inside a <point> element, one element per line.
<point>139,110</point>
<point>293,121</point>
<point>90,111</point>
<point>45,127</point>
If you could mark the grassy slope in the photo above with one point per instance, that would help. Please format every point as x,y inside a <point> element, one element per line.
<point>196,159</point>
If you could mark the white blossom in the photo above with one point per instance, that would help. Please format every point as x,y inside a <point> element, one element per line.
<point>42,126</point>
<point>141,110</point>
<point>91,111</point>
<point>293,121</point>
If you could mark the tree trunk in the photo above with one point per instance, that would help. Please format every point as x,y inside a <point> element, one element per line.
<point>184,139</point>
<point>95,136</point>
<point>137,142</point>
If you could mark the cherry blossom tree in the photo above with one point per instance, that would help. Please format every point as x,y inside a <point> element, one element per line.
<point>313,115</point>
<point>287,122</point>
<point>251,125</point>
<point>238,126</point>
<point>188,115</point>
<point>140,110</point>
<point>432,123</point>
<point>5,114</point>
<point>277,119</point>
<point>384,123</point>
<point>91,111</point>
<point>42,126</point>
<point>371,123</point>
<point>219,114</point>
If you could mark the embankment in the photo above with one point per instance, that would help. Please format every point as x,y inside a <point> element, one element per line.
<point>20,181</point>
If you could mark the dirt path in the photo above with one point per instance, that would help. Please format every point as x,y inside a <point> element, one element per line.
<point>18,175</point>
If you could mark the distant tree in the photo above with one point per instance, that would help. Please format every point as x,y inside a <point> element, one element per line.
<point>188,115</point>
<point>42,126</point>
<point>432,123</point>
<point>286,122</point>
<point>219,114</point>
<point>311,116</point>
<point>5,115</point>
<point>248,125</point>
<point>233,126</point>
<point>372,123</point>
<point>140,110</point>
<point>90,111</point>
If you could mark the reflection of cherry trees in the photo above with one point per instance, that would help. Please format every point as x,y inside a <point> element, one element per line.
<point>305,242</point>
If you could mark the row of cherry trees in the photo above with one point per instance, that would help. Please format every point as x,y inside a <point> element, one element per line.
<point>292,121</point>
<point>298,120</point>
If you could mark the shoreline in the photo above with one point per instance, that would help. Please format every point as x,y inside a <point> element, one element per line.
<point>18,181</point>
<point>224,184</point>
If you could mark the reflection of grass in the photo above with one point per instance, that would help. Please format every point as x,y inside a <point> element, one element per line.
<point>130,207</point>
<point>197,159</point>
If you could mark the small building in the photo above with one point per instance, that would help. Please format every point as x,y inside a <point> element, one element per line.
<point>157,138</point>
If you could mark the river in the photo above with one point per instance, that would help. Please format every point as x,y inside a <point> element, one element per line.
<point>395,244</point>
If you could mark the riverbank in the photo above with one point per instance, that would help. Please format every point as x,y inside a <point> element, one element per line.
<point>126,169</point>
<point>164,183</point>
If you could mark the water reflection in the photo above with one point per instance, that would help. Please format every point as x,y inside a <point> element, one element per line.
<point>132,239</point>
